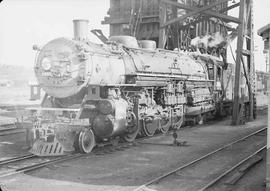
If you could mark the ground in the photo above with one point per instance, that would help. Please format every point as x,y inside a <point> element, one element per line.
<point>129,168</point>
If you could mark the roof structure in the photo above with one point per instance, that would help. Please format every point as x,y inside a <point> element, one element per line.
<point>265,29</point>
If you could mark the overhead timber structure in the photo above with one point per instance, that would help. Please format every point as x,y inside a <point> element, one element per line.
<point>174,23</point>
<point>156,20</point>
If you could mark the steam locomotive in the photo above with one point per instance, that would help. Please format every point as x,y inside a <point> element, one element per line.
<point>96,93</point>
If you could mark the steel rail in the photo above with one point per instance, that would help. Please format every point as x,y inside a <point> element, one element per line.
<point>9,129</point>
<point>77,155</point>
<point>63,158</point>
<point>15,159</point>
<point>8,126</point>
<point>231,169</point>
<point>39,165</point>
<point>7,132</point>
<point>4,128</point>
<point>141,188</point>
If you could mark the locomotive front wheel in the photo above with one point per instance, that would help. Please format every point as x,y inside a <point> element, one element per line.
<point>86,141</point>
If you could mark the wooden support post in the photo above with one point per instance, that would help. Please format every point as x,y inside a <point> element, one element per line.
<point>162,31</point>
<point>245,32</point>
<point>236,101</point>
<point>251,67</point>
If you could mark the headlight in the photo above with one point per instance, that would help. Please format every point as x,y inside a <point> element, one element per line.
<point>46,64</point>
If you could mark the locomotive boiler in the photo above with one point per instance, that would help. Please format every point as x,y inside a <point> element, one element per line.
<point>96,93</point>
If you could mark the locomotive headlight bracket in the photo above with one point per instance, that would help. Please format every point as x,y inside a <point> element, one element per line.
<point>46,64</point>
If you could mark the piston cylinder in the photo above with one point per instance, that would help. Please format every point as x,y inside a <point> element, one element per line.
<point>103,125</point>
<point>108,125</point>
<point>106,106</point>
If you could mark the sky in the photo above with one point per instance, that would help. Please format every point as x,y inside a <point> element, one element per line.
<point>27,22</point>
<point>261,18</point>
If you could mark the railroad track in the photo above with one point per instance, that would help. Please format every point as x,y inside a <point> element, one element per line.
<point>30,162</point>
<point>217,179</point>
<point>15,159</point>
<point>9,129</point>
<point>20,164</point>
<point>162,181</point>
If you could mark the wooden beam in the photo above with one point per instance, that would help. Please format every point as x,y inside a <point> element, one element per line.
<point>162,31</point>
<point>245,73</point>
<point>205,17</point>
<point>194,12</point>
<point>226,18</point>
<point>236,99</point>
<point>250,46</point>
<point>229,8</point>
<point>213,13</point>
<point>190,8</point>
<point>248,14</point>
<point>246,52</point>
<point>179,5</point>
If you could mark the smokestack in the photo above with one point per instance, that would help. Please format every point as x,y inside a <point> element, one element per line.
<point>80,28</point>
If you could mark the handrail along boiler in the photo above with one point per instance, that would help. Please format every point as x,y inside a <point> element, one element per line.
<point>95,93</point>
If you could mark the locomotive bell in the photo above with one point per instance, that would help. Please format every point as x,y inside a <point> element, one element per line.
<point>80,28</point>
